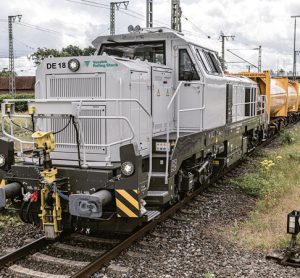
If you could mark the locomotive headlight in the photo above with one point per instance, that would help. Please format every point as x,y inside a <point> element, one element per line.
<point>2,160</point>
<point>127,168</point>
<point>73,65</point>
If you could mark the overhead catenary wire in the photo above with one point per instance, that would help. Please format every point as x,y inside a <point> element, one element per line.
<point>196,27</point>
<point>43,29</point>
<point>31,48</point>
<point>127,11</point>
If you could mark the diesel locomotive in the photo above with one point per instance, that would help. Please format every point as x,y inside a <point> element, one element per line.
<point>119,136</point>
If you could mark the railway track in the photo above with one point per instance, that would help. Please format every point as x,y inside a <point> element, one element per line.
<point>61,259</point>
<point>15,262</point>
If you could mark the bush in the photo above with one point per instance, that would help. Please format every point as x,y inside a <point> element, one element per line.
<point>20,106</point>
<point>287,137</point>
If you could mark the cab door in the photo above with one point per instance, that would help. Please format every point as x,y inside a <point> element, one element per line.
<point>190,100</point>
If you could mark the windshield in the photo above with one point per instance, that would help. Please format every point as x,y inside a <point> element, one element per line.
<point>209,61</point>
<point>151,51</point>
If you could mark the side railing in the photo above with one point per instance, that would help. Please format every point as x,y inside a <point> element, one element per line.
<point>79,104</point>
<point>176,96</point>
<point>263,109</point>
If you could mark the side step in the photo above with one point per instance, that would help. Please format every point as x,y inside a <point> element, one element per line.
<point>151,214</point>
<point>157,193</point>
<point>157,197</point>
<point>158,174</point>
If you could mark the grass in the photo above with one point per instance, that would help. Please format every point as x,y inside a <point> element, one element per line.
<point>274,179</point>
<point>8,220</point>
<point>21,133</point>
<point>209,275</point>
<point>17,92</point>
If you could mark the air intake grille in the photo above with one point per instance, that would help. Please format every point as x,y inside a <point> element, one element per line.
<point>76,86</point>
<point>93,130</point>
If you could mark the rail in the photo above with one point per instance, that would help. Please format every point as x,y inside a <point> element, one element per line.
<point>96,265</point>
<point>201,109</point>
<point>23,251</point>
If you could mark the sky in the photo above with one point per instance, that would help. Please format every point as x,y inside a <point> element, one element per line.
<point>58,23</point>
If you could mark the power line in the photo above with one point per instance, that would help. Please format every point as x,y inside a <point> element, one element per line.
<point>259,49</point>
<point>105,6</point>
<point>89,3</point>
<point>39,28</point>
<point>242,58</point>
<point>128,12</point>
<point>196,27</point>
<point>25,44</point>
<point>42,29</point>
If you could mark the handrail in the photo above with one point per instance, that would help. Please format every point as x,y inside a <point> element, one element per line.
<point>21,142</point>
<point>168,130</point>
<point>263,107</point>
<point>84,102</point>
<point>73,144</point>
<point>96,100</point>
<point>175,95</point>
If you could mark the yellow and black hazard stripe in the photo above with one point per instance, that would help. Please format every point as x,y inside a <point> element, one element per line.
<point>127,202</point>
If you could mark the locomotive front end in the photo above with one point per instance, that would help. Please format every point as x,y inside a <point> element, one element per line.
<point>90,138</point>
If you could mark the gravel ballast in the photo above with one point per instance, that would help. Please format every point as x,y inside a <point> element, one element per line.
<point>17,236</point>
<point>196,242</point>
<point>201,246</point>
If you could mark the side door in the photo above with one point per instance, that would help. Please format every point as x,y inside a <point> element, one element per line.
<point>190,100</point>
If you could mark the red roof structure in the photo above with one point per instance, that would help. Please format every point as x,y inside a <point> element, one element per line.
<point>23,83</point>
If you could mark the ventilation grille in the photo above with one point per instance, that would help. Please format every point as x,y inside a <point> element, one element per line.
<point>93,130</point>
<point>76,86</point>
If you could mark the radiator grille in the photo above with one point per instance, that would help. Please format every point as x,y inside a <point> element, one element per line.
<point>76,86</point>
<point>93,130</point>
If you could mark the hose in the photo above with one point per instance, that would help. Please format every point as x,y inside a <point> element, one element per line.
<point>56,132</point>
<point>60,194</point>
<point>51,186</point>
<point>77,141</point>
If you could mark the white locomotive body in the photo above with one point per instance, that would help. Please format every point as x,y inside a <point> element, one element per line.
<point>148,118</point>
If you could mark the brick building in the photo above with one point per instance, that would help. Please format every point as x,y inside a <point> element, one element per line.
<point>23,84</point>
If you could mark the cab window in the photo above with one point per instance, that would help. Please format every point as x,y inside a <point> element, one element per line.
<point>209,61</point>
<point>151,51</point>
<point>187,70</point>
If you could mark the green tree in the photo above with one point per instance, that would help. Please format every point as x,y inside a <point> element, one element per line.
<point>43,53</point>
<point>88,51</point>
<point>70,50</point>
<point>5,73</point>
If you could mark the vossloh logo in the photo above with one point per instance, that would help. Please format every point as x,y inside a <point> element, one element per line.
<point>86,63</point>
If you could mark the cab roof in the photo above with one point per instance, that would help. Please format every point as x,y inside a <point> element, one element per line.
<point>145,34</point>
